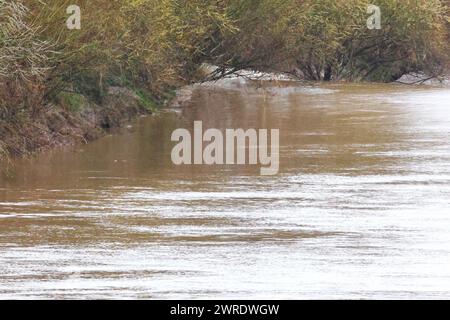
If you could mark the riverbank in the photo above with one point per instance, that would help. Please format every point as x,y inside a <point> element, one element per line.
<point>72,120</point>
<point>62,85</point>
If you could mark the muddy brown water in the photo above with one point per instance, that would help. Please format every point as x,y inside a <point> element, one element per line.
<point>360,208</point>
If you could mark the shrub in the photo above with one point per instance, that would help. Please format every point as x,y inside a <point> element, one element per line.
<point>329,39</point>
<point>24,60</point>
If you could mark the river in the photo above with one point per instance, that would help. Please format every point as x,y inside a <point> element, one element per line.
<point>360,208</point>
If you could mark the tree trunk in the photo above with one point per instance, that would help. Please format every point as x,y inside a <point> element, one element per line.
<point>327,73</point>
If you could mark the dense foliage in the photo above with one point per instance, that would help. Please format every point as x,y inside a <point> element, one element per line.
<point>329,39</point>
<point>152,45</point>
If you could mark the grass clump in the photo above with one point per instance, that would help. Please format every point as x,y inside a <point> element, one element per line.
<point>73,102</point>
<point>146,100</point>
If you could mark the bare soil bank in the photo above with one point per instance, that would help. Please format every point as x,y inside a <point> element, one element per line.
<point>59,126</point>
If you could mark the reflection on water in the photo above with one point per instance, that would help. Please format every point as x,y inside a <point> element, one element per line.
<point>360,208</point>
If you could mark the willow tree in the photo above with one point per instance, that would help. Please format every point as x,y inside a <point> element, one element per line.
<point>148,43</point>
<point>329,39</point>
<point>257,40</point>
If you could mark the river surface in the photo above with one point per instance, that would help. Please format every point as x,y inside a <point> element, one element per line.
<point>360,208</point>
